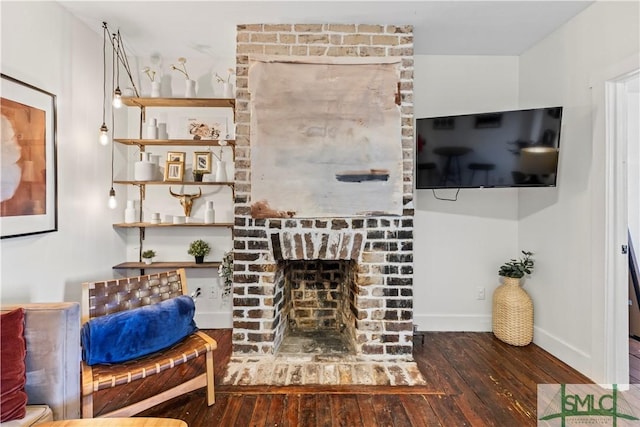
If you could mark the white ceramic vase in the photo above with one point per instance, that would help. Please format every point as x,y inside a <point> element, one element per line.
<point>155,160</point>
<point>130,212</point>
<point>144,169</point>
<point>190,89</point>
<point>151,130</point>
<point>221,171</point>
<point>155,89</point>
<point>162,131</point>
<point>209,214</point>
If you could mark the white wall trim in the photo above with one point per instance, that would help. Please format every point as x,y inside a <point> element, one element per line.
<point>572,356</point>
<point>453,323</point>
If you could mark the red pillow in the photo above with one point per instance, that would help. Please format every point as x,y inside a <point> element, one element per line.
<point>13,399</point>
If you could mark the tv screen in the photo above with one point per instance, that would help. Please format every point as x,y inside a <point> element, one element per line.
<point>496,149</point>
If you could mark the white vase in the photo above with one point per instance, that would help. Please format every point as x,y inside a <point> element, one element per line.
<point>144,170</point>
<point>227,90</point>
<point>151,130</point>
<point>190,89</point>
<point>155,160</point>
<point>221,171</point>
<point>162,131</point>
<point>155,89</point>
<point>147,261</point>
<point>209,214</point>
<point>130,212</point>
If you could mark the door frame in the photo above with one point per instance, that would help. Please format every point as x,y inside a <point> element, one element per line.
<point>616,307</point>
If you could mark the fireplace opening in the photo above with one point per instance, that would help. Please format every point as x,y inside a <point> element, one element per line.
<point>317,308</point>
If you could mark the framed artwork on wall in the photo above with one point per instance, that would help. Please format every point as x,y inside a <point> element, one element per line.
<point>28,185</point>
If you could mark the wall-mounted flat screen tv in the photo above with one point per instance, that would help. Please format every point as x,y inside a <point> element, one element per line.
<point>495,149</point>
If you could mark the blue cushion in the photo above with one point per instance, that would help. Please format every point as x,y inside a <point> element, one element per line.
<point>133,333</point>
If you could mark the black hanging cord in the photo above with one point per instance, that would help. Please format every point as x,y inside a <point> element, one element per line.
<point>104,71</point>
<point>455,198</point>
<point>114,66</point>
<point>121,55</point>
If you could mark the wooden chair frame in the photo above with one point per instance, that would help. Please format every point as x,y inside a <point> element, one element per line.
<point>112,296</point>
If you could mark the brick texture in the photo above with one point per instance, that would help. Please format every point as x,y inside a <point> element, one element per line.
<point>377,297</point>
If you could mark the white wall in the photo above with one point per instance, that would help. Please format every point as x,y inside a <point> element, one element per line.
<point>61,55</point>
<point>45,46</point>
<point>566,227</point>
<point>460,245</point>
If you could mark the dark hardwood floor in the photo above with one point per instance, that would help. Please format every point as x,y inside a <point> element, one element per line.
<point>634,361</point>
<point>473,380</point>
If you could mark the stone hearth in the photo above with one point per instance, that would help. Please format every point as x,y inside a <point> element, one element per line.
<point>304,370</point>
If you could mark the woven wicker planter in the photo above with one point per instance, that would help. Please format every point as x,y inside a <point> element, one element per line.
<point>512,313</point>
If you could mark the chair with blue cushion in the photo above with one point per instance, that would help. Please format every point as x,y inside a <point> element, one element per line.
<point>135,328</point>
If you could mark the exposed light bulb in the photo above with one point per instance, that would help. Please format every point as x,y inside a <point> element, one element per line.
<point>113,203</point>
<point>103,136</point>
<point>117,98</point>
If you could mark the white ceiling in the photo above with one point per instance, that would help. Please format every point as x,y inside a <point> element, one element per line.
<point>207,28</point>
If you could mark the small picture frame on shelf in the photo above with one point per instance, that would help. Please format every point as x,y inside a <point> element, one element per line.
<point>176,156</point>
<point>202,161</point>
<point>174,171</point>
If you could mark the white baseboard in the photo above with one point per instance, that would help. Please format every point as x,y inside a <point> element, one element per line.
<point>572,356</point>
<point>214,320</point>
<point>453,323</point>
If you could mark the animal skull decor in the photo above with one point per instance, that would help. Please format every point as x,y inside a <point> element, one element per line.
<point>186,200</point>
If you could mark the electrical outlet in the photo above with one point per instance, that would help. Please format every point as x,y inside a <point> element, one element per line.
<point>479,292</point>
<point>214,293</point>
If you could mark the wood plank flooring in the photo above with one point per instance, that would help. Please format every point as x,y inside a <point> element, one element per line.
<point>634,361</point>
<point>473,380</point>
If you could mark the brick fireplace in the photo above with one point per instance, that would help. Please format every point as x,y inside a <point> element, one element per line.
<point>352,276</point>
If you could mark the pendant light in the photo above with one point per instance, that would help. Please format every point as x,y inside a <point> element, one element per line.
<point>117,94</point>
<point>113,203</point>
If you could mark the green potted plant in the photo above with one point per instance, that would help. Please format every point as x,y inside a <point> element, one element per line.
<point>199,249</point>
<point>148,256</point>
<point>198,175</point>
<point>517,268</point>
<point>512,313</point>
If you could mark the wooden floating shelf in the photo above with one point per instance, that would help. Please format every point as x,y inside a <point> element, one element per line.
<point>176,142</point>
<point>179,102</point>
<point>167,265</point>
<point>172,182</point>
<point>192,224</point>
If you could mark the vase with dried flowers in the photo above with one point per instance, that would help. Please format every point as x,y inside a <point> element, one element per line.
<point>190,91</point>
<point>155,85</point>
<point>221,165</point>
<point>227,86</point>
